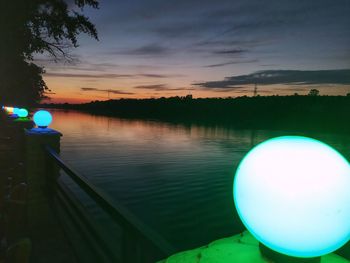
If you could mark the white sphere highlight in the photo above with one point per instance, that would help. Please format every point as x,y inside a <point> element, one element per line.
<point>292,193</point>
<point>42,118</point>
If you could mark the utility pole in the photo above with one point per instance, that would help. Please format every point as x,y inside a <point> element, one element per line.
<point>255,89</point>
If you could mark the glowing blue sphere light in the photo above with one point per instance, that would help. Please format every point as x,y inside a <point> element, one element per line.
<point>42,118</point>
<point>22,113</point>
<point>15,111</point>
<point>292,193</point>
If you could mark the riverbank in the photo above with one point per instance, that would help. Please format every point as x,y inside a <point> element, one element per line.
<point>317,113</point>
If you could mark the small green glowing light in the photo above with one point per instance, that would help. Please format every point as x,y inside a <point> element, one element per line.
<point>292,193</point>
<point>22,113</point>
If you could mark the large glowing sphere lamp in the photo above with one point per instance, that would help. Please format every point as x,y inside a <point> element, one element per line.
<point>292,193</point>
<point>22,113</point>
<point>42,118</point>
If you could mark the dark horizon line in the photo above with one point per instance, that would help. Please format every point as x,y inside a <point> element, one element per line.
<point>189,97</point>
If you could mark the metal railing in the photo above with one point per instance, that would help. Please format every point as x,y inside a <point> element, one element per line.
<point>135,241</point>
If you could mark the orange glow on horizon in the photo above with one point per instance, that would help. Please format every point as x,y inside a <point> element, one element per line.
<point>76,91</point>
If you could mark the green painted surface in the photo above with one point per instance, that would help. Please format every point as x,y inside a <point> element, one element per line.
<point>242,248</point>
<point>24,119</point>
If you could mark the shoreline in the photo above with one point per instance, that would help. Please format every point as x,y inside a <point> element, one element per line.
<point>297,113</point>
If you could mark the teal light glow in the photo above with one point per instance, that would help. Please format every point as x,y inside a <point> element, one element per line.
<point>292,193</point>
<point>15,111</point>
<point>42,118</point>
<point>22,113</point>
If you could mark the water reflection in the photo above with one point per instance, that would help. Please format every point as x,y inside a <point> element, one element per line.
<point>176,178</point>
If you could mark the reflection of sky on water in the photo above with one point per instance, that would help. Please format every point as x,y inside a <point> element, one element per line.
<point>175,178</point>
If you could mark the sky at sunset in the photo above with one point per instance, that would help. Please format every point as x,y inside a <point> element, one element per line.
<point>207,48</point>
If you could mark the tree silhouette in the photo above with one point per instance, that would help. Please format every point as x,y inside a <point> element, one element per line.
<point>22,83</point>
<point>314,92</point>
<point>36,26</point>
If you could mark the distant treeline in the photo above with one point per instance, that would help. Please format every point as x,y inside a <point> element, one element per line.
<point>322,113</point>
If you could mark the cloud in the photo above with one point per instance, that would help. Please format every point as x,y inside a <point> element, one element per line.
<point>161,87</point>
<point>107,75</point>
<point>152,87</point>
<point>146,50</point>
<point>215,42</point>
<point>113,91</point>
<point>208,34</point>
<point>83,66</point>
<point>230,52</point>
<point>240,90</point>
<point>159,28</point>
<point>160,76</point>
<point>176,30</point>
<point>271,77</point>
<point>95,76</point>
<point>90,89</point>
<point>230,63</point>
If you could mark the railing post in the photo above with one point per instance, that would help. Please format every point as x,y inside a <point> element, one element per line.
<point>36,168</point>
<point>19,126</point>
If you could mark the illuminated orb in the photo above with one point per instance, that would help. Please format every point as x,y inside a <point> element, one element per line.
<point>15,111</point>
<point>42,118</point>
<point>9,110</point>
<point>292,193</point>
<point>22,113</point>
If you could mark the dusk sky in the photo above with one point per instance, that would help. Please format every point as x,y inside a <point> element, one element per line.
<point>207,48</point>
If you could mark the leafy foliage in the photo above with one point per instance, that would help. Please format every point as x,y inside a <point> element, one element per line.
<point>37,26</point>
<point>314,92</point>
<point>21,83</point>
<point>289,113</point>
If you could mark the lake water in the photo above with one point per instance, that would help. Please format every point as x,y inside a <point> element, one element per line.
<point>175,178</point>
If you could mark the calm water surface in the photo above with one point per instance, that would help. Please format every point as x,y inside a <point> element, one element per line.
<point>176,178</point>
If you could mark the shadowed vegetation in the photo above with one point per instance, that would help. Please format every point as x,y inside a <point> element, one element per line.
<point>36,27</point>
<point>322,113</point>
